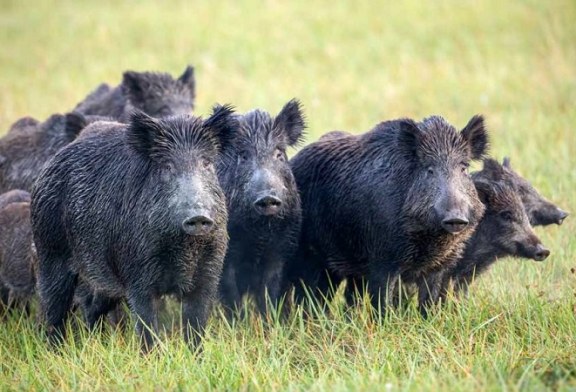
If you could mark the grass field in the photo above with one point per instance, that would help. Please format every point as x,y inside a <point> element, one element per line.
<point>352,64</point>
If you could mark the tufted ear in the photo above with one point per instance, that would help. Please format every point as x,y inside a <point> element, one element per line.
<point>408,136</point>
<point>291,120</point>
<point>492,170</point>
<point>187,78</point>
<point>485,190</point>
<point>477,137</point>
<point>75,123</point>
<point>142,132</point>
<point>222,123</point>
<point>506,163</point>
<point>135,85</point>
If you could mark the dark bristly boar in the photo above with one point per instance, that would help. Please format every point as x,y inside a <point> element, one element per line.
<point>263,204</point>
<point>540,211</point>
<point>395,201</point>
<point>24,154</point>
<point>504,231</point>
<point>156,94</point>
<point>136,214</point>
<point>16,255</point>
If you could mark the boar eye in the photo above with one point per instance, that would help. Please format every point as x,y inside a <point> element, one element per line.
<point>430,171</point>
<point>244,156</point>
<point>170,168</point>
<point>506,215</point>
<point>205,162</point>
<point>279,155</point>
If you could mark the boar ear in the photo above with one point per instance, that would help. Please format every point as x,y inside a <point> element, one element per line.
<point>477,137</point>
<point>492,170</point>
<point>222,123</point>
<point>75,123</point>
<point>134,85</point>
<point>506,163</point>
<point>485,190</point>
<point>187,78</point>
<point>408,136</point>
<point>142,131</point>
<point>291,120</point>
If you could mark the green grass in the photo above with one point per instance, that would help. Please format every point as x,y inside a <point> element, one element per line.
<point>352,65</point>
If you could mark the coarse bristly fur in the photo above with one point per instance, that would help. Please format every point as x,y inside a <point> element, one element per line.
<point>263,204</point>
<point>154,93</point>
<point>380,206</point>
<point>23,125</point>
<point>24,154</point>
<point>541,212</point>
<point>129,214</point>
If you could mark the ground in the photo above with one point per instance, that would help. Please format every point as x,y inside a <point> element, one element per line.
<point>352,64</point>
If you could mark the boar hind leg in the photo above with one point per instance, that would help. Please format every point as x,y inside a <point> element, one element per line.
<point>229,293</point>
<point>355,289</point>
<point>101,305</point>
<point>56,286</point>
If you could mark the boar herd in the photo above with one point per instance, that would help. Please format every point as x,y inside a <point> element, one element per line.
<point>130,198</point>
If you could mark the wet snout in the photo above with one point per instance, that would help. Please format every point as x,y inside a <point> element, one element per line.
<point>540,253</point>
<point>198,224</point>
<point>532,248</point>
<point>454,224</point>
<point>268,205</point>
<point>267,188</point>
<point>452,211</point>
<point>561,216</point>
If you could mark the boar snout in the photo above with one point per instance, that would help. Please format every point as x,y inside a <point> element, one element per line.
<point>561,216</point>
<point>268,205</point>
<point>540,253</point>
<point>454,224</point>
<point>197,225</point>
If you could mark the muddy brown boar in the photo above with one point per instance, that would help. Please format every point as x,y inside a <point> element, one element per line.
<point>395,201</point>
<point>263,204</point>
<point>157,94</point>
<point>136,214</point>
<point>24,154</point>
<point>504,231</point>
<point>16,255</point>
<point>540,211</point>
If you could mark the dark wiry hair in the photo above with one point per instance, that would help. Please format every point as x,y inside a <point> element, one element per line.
<point>156,137</point>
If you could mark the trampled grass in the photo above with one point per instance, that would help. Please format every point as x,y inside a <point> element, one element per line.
<point>352,65</point>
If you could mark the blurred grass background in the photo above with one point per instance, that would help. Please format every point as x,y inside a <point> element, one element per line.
<point>352,64</point>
